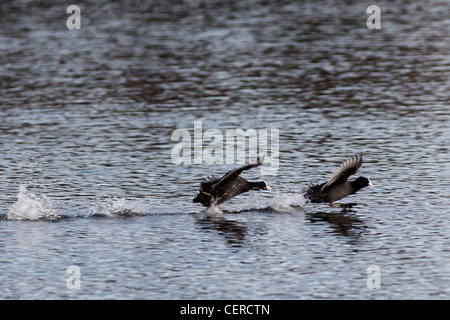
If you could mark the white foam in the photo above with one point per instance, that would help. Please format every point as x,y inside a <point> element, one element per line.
<point>30,206</point>
<point>117,206</point>
<point>213,210</point>
<point>279,202</point>
<point>287,201</point>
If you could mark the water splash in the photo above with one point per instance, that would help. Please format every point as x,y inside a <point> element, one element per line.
<point>213,211</point>
<point>119,207</point>
<point>30,206</point>
<point>278,202</point>
<point>287,201</point>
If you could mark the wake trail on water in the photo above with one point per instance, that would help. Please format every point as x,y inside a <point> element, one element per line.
<point>281,202</point>
<point>33,206</point>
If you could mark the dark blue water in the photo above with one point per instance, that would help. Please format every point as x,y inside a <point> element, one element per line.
<point>87,177</point>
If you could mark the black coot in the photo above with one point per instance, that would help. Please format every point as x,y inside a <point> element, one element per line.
<point>338,187</point>
<point>216,191</point>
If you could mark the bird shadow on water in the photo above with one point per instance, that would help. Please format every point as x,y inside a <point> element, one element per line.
<point>343,223</point>
<point>233,231</point>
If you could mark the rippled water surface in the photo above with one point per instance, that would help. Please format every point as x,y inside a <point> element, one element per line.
<point>87,178</point>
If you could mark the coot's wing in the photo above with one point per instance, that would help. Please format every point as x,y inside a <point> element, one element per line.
<point>233,174</point>
<point>345,170</point>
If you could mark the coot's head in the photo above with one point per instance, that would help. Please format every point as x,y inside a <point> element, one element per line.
<point>361,182</point>
<point>260,185</point>
<point>203,199</point>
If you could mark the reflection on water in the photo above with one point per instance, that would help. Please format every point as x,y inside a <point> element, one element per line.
<point>344,223</point>
<point>233,231</point>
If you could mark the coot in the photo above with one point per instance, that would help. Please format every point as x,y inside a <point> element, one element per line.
<point>338,187</point>
<point>216,191</point>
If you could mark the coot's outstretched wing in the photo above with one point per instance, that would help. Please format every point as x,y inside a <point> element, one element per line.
<point>345,170</point>
<point>233,174</point>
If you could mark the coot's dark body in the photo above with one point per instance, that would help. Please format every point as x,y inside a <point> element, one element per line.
<point>217,191</point>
